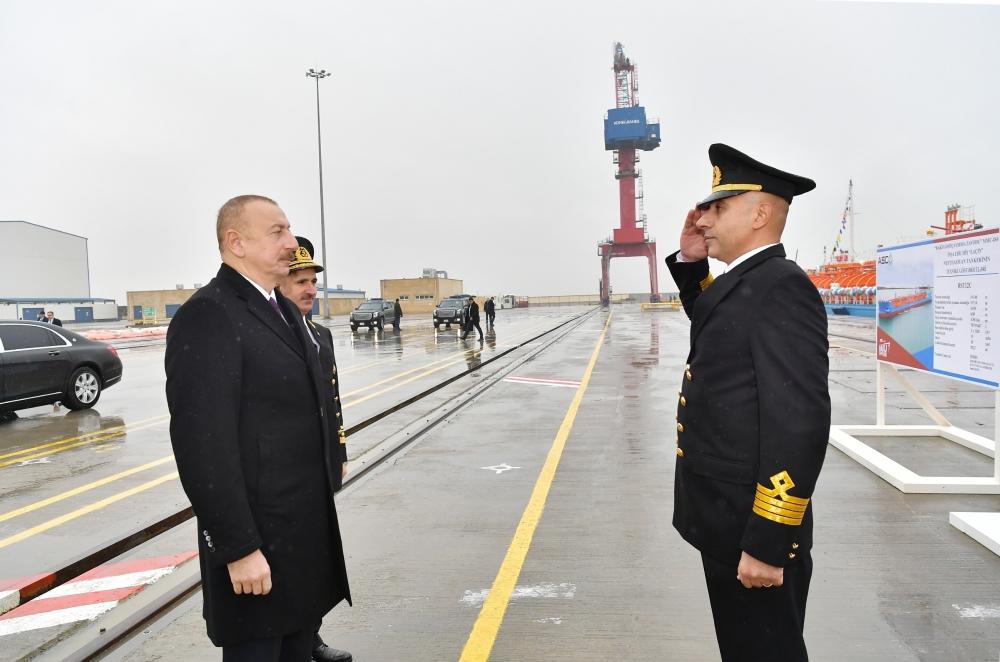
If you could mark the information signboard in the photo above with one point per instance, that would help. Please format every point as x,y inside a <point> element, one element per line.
<point>939,305</point>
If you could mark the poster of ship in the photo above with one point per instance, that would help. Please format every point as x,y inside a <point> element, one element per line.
<point>904,301</point>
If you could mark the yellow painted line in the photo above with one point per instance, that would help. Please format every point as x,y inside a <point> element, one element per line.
<point>69,440</point>
<point>83,488</point>
<point>414,378</point>
<point>94,440</point>
<point>487,625</point>
<point>852,349</point>
<point>86,510</point>
<point>452,358</point>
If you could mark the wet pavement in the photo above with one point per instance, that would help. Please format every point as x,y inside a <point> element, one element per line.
<point>604,576</point>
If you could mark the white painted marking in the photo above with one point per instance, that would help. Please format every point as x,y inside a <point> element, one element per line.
<point>51,618</point>
<point>37,460</point>
<point>547,590</point>
<point>978,611</point>
<point>9,600</point>
<point>534,381</point>
<point>109,583</point>
<point>984,528</point>
<point>500,468</point>
<point>555,620</point>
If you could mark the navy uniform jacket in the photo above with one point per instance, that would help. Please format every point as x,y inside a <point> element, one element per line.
<point>328,368</point>
<point>250,435</point>
<point>753,413</point>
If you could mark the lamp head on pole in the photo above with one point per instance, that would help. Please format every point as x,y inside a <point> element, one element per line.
<point>322,73</point>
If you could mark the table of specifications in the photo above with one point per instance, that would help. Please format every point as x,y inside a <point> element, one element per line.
<point>955,335</point>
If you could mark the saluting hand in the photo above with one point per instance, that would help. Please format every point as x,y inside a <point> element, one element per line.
<point>693,246</point>
<point>250,574</point>
<point>757,574</point>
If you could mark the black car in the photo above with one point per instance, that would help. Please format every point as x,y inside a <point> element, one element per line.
<point>41,364</point>
<point>375,314</point>
<point>452,310</point>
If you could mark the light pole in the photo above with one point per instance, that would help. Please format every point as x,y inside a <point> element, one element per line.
<point>322,73</point>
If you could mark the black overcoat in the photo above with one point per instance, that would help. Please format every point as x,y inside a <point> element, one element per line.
<point>250,435</point>
<point>753,413</point>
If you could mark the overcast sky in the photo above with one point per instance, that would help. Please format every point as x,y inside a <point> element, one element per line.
<point>467,135</point>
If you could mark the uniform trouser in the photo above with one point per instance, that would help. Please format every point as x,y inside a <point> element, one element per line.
<point>759,624</point>
<point>469,326</point>
<point>295,647</point>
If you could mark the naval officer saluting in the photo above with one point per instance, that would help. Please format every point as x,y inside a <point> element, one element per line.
<point>753,413</point>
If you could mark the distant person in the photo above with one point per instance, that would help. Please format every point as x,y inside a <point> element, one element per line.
<point>51,318</point>
<point>252,444</point>
<point>491,312</point>
<point>399,313</point>
<point>472,319</point>
<point>299,287</point>
<point>753,414</point>
<point>40,317</point>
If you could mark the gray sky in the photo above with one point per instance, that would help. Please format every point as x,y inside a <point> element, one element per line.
<point>467,136</point>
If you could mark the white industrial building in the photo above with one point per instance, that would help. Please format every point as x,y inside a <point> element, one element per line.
<point>44,268</point>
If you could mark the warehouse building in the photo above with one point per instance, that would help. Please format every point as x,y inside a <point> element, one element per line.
<point>44,269</point>
<point>156,307</point>
<point>421,295</point>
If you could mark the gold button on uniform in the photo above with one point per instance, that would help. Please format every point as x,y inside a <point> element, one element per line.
<point>791,555</point>
<point>684,402</point>
<point>687,373</point>
<point>680,453</point>
<point>680,427</point>
<point>795,545</point>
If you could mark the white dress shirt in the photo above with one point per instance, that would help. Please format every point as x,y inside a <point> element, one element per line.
<point>267,295</point>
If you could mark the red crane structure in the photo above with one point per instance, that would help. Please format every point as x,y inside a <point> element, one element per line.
<point>626,131</point>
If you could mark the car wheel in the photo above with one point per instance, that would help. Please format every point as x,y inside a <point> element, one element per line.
<point>354,328</point>
<point>84,389</point>
<point>379,326</point>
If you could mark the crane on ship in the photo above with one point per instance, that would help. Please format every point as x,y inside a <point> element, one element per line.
<point>627,131</point>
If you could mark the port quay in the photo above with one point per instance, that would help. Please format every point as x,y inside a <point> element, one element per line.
<point>433,332</point>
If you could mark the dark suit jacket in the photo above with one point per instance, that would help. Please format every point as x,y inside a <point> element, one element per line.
<point>473,312</point>
<point>54,320</point>
<point>250,435</point>
<point>753,415</point>
<point>328,368</point>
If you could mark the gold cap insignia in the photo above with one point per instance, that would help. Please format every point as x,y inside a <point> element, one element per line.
<point>716,176</point>
<point>302,255</point>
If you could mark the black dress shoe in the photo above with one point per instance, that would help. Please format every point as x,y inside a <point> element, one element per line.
<point>324,653</point>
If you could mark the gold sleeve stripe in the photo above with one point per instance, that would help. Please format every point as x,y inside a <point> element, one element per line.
<point>777,510</point>
<point>705,282</point>
<point>778,503</point>
<point>778,518</point>
<point>737,187</point>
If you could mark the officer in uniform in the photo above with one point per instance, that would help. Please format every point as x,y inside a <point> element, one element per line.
<point>300,288</point>
<point>753,413</point>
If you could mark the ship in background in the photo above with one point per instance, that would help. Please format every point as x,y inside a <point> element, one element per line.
<point>847,284</point>
<point>901,304</point>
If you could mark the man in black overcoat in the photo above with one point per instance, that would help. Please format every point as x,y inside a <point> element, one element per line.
<point>473,319</point>
<point>753,413</point>
<point>251,436</point>
<point>299,287</point>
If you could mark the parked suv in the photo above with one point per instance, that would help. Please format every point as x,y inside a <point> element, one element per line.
<point>41,364</point>
<point>452,310</point>
<point>375,314</point>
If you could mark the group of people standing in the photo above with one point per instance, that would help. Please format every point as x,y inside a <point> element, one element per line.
<point>257,429</point>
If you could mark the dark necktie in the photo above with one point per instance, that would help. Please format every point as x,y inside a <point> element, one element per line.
<point>277,309</point>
